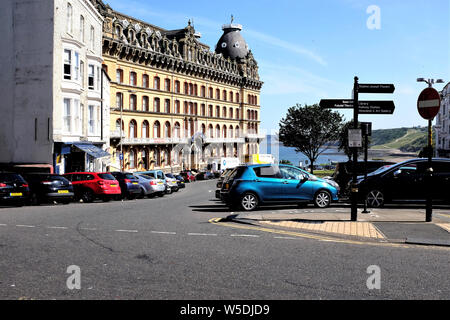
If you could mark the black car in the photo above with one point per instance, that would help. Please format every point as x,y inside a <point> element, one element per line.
<point>45,187</point>
<point>406,182</point>
<point>344,171</point>
<point>13,189</point>
<point>129,184</point>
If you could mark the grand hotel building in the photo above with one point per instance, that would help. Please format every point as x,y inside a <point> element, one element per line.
<point>174,102</point>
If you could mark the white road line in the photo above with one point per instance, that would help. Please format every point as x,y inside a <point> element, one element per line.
<point>58,228</point>
<point>202,234</point>
<point>244,235</point>
<point>3,225</point>
<point>90,229</point>
<point>25,226</point>
<point>163,232</point>
<point>288,238</point>
<point>131,231</point>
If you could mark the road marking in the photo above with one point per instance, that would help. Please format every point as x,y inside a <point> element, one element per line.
<point>90,229</point>
<point>163,232</point>
<point>244,235</point>
<point>3,225</point>
<point>25,226</point>
<point>287,238</point>
<point>202,234</point>
<point>65,228</point>
<point>132,231</point>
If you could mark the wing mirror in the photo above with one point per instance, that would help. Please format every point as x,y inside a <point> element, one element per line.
<point>397,173</point>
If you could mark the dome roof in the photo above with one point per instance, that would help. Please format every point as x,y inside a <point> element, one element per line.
<point>232,44</point>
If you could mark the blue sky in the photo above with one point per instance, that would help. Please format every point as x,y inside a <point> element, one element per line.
<point>311,50</point>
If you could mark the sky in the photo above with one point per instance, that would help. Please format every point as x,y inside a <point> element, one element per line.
<point>312,50</point>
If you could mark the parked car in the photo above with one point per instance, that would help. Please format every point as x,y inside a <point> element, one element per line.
<point>129,184</point>
<point>252,185</point>
<point>178,178</point>
<point>89,186</point>
<point>150,186</point>
<point>171,184</point>
<point>188,176</point>
<point>406,182</point>
<point>45,187</point>
<point>204,175</point>
<point>219,183</point>
<point>344,171</point>
<point>13,189</point>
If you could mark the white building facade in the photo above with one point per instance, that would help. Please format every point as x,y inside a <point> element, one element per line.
<point>442,125</point>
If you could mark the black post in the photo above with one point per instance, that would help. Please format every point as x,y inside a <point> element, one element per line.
<point>366,141</point>
<point>429,208</point>
<point>354,191</point>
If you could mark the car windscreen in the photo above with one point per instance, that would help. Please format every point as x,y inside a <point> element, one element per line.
<point>106,176</point>
<point>10,177</point>
<point>236,173</point>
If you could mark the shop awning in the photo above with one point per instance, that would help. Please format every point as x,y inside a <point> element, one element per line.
<point>91,150</point>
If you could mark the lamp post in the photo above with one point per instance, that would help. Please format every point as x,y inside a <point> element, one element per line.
<point>429,203</point>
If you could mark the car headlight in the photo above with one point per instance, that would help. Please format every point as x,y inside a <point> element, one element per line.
<point>333,184</point>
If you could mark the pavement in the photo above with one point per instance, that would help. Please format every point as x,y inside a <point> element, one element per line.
<point>394,224</point>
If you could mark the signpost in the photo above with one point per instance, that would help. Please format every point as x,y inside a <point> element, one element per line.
<point>360,107</point>
<point>428,105</point>
<point>366,128</point>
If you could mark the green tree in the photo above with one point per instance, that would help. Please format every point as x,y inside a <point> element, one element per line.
<point>343,140</point>
<point>286,162</point>
<point>310,129</point>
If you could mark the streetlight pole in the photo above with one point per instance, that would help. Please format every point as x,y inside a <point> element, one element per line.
<point>429,201</point>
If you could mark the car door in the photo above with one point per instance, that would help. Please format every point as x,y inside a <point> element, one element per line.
<point>403,183</point>
<point>268,182</point>
<point>441,181</point>
<point>295,185</point>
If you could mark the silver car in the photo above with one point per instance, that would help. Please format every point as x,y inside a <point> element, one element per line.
<point>150,186</point>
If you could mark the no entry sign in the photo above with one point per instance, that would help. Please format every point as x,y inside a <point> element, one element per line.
<point>429,103</point>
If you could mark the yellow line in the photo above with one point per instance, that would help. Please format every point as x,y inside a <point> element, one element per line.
<point>322,238</point>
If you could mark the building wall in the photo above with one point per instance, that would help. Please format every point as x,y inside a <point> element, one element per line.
<point>442,125</point>
<point>26,64</point>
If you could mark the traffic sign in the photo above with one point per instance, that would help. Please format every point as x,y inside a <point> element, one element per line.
<point>376,88</point>
<point>366,128</point>
<point>429,103</point>
<point>354,138</point>
<point>364,107</point>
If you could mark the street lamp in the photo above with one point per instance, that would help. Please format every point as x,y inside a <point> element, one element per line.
<point>430,82</point>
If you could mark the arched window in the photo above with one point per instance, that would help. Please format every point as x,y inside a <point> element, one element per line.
<point>145,81</point>
<point>158,157</point>
<point>69,26</point>
<point>256,115</point>
<point>144,103</point>
<point>224,112</point>
<point>231,96</point>
<point>119,100</point>
<point>203,110</point>
<point>191,89</point>
<point>224,95</point>
<point>132,159</point>
<point>210,93</point>
<point>217,131</point>
<point>195,93</point>
<point>231,132</point>
<point>237,98</point>
<point>167,130</point>
<point>119,76</point>
<point>186,109</point>
<point>231,113</point>
<point>118,126</point>
<point>217,94</point>
<point>177,130</point>
<point>167,106</point>
<point>217,111</point>
<point>186,88</point>
<point>133,129</point>
<point>237,132</point>
<point>156,130</point>
<point>133,79</point>
<point>224,131</point>
<point>195,108</point>
<point>156,83</point>
<point>203,91</point>
<point>167,84</point>
<point>133,102</point>
<point>145,130</point>
<point>156,105</point>
<point>210,131</point>
<point>177,86</point>
<point>210,111</point>
<point>177,107</point>
<point>203,129</point>
<point>248,114</point>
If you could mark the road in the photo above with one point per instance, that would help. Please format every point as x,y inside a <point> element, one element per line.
<point>166,248</point>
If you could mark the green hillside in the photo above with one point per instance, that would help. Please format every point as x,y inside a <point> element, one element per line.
<point>404,139</point>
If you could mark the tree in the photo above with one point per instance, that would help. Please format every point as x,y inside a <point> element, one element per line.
<point>343,140</point>
<point>286,162</point>
<point>310,130</point>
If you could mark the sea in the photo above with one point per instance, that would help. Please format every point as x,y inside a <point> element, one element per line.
<point>271,145</point>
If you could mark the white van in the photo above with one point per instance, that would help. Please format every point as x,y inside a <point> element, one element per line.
<point>222,163</point>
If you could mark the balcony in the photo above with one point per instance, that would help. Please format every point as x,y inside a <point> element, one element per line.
<point>153,141</point>
<point>255,136</point>
<point>224,140</point>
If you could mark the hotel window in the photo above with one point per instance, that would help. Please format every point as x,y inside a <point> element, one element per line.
<point>177,86</point>
<point>156,83</point>
<point>231,132</point>
<point>186,111</point>
<point>177,130</point>
<point>132,129</point>
<point>217,94</point>
<point>210,131</point>
<point>119,76</point>
<point>191,89</point>
<point>237,98</point>
<point>156,106</point>
<point>217,111</point>
<point>145,130</point>
<point>203,91</point>
<point>98,78</point>
<point>132,159</point>
<point>145,103</point>
<point>195,90</point>
<point>133,78</point>
<point>67,116</point>
<point>167,106</point>
<point>82,73</point>
<point>76,66</point>
<point>133,102</point>
<point>81,28</point>
<point>210,111</point>
<point>210,93</point>
<point>76,116</point>
<point>224,95</point>
<point>91,119</point>
<point>91,38</point>
<point>231,113</point>
<point>167,130</point>
<point>167,84</point>
<point>203,110</point>
<point>156,130</point>
<point>91,77</point>
<point>237,132</point>
<point>69,18</point>
<point>67,64</point>
<point>145,81</point>
<point>119,100</point>
<point>231,96</point>
<point>217,131</point>
<point>177,107</point>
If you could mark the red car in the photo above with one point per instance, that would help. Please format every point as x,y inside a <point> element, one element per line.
<point>89,186</point>
<point>188,176</point>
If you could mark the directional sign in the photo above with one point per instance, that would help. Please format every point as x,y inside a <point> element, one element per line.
<point>429,103</point>
<point>376,88</point>
<point>364,107</point>
<point>354,138</point>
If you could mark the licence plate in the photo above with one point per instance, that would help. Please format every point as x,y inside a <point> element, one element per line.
<point>227,186</point>
<point>114,185</point>
<point>63,191</point>
<point>160,183</point>
<point>16,194</point>
<point>135,183</point>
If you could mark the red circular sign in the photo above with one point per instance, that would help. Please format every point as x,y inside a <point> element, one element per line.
<point>429,103</point>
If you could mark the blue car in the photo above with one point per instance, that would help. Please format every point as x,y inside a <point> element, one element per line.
<point>129,184</point>
<point>253,185</point>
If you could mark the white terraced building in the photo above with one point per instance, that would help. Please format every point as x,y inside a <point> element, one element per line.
<point>442,125</point>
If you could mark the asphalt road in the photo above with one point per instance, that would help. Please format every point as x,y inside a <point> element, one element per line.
<point>165,248</point>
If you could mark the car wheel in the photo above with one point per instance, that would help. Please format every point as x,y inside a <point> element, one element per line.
<point>161,194</point>
<point>322,199</point>
<point>142,194</point>
<point>249,201</point>
<point>375,199</point>
<point>87,196</point>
